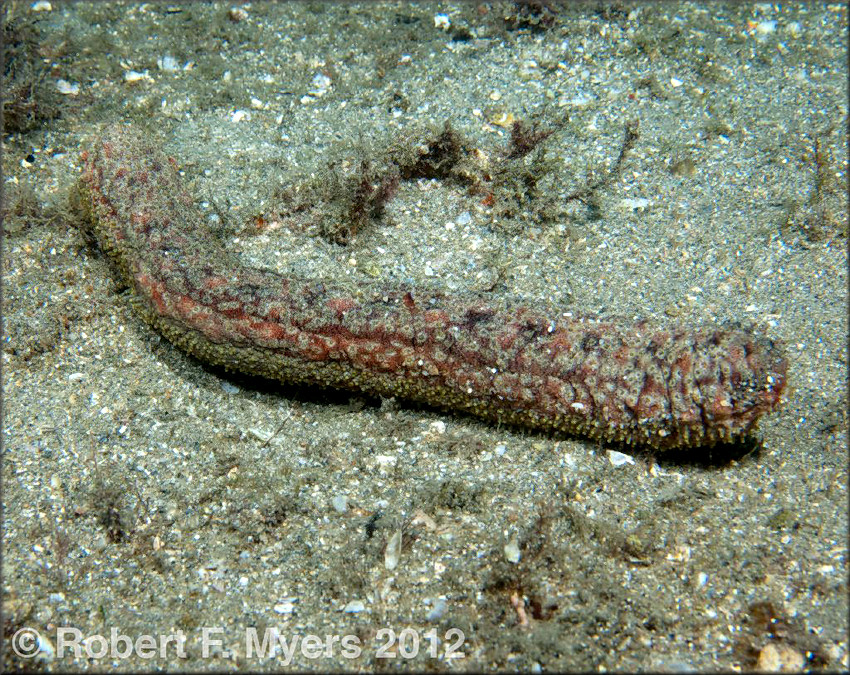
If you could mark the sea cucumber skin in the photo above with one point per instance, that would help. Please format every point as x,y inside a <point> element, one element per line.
<point>605,379</point>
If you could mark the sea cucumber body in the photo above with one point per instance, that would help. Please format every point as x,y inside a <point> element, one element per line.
<point>611,380</point>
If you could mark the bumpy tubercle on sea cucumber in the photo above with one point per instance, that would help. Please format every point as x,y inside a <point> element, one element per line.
<point>539,367</point>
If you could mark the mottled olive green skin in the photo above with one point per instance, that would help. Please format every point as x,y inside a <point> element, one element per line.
<point>538,367</point>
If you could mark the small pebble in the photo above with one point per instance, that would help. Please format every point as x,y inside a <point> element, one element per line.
<point>386,461</point>
<point>619,458</point>
<point>46,652</point>
<point>285,606</point>
<point>320,85</point>
<point>261,434</point>
<point>512,552</point>
<point>780,658</point>
<point>67,88</point>
<point>442,21</point>
<point>765,27</point>
<point>133,76</point>
<point>237,14</point>
<point>577,101</point>
<point>437,611</point>
<point>167,63</point>
<point>438,427</point>
<point>393,551</point>
<point>634,204</point>
<point>340,503</point>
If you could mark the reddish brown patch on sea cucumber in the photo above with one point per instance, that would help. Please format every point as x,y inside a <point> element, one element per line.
<point>611,380</point>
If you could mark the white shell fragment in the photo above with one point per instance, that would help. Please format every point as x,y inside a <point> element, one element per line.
<point>512,552</point>
<point>393,551</point>
<point>619,458</point>
<point>133,76</point>
<point>67,88</point>
<point>442,21</point>
<point>167,63</point>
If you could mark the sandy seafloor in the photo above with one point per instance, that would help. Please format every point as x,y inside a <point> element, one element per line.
<point>147,494</point>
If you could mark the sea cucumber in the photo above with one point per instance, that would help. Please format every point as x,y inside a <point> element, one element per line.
<point>540,367</point>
